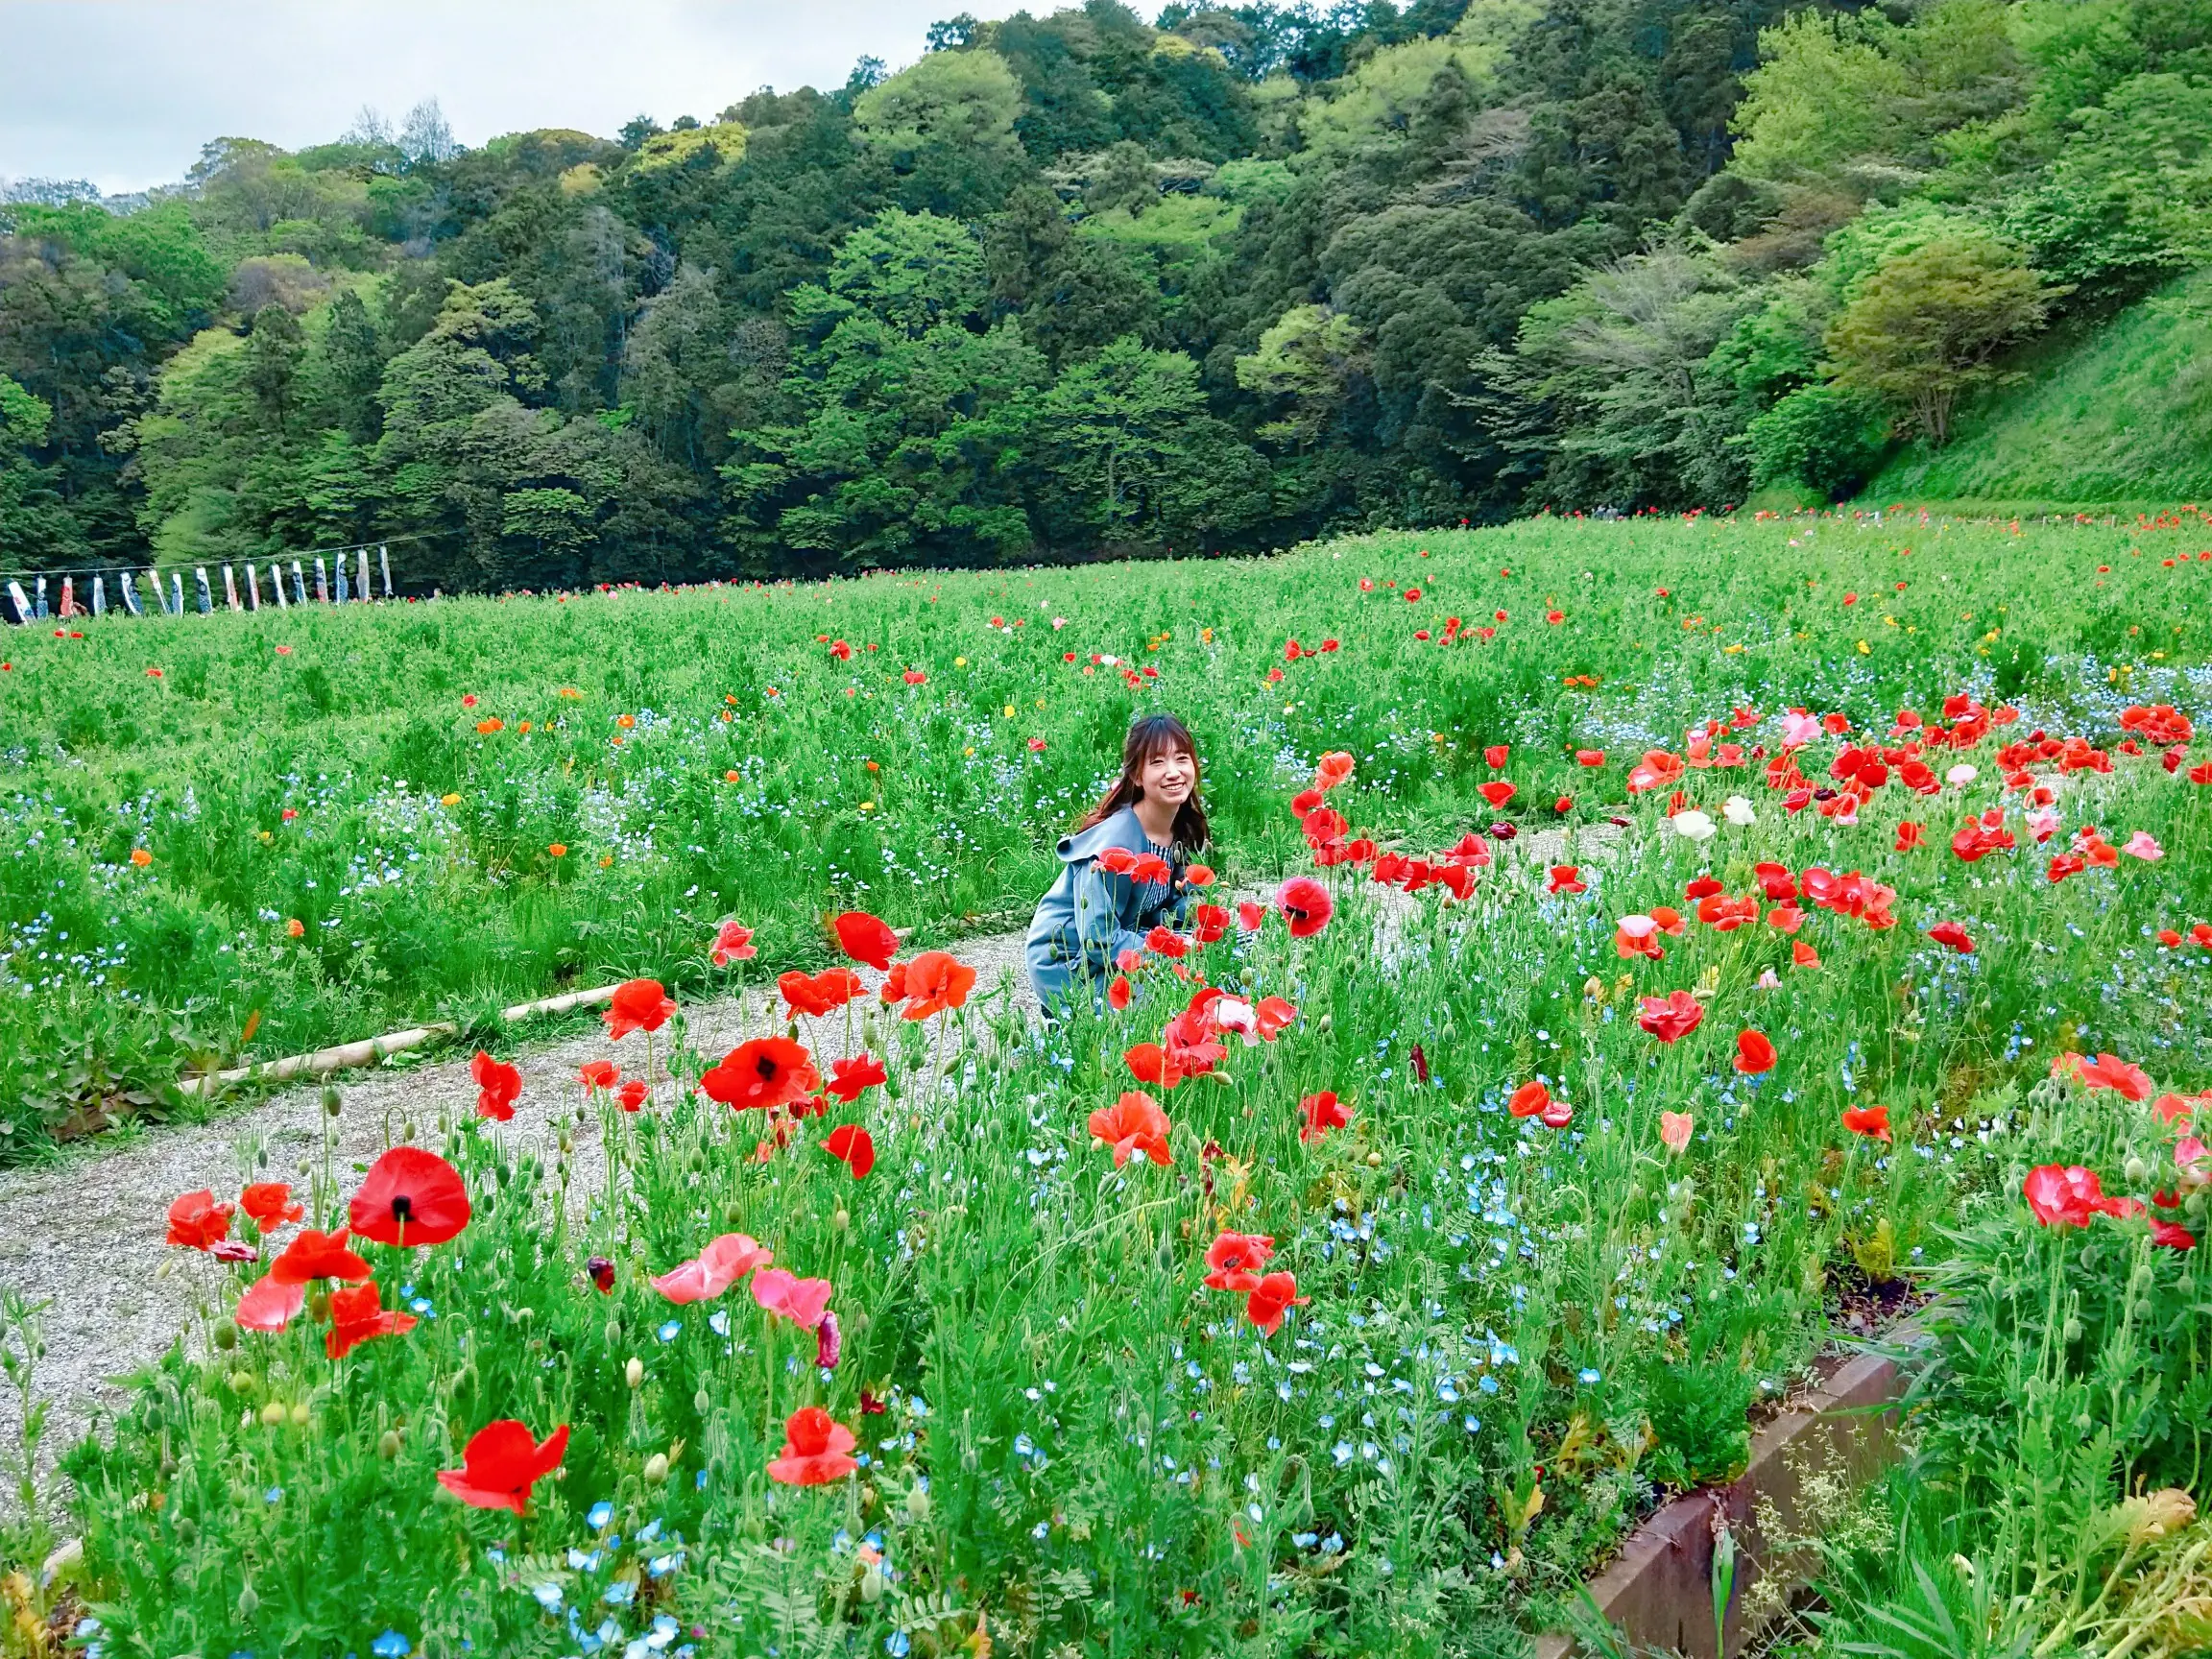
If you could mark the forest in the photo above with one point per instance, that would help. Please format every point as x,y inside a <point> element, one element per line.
<point>1081,284</point>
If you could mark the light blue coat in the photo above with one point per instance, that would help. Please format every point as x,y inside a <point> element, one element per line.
<point>1092,915</point>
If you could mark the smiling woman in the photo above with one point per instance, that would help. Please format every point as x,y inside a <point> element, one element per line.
<point>1122,872</point>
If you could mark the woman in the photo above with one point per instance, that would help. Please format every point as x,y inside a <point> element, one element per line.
<point>1093,912</point>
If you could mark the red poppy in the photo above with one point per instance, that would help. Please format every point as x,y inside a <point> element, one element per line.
<point>1167,942</point>
<point>1133,1123</point>
<point>1306,904</point>
<point>1495,755</point>
<point>2172,1236</point>
<point>197,1222</point>
<point>2110,1072</point>
<point>313,1255</point>
<point>866,939</point>
<point>821,993</point>
<point>1272,1015</point>
<point>914,677</point>
<point>357,1315</point>
<point>1871,1121</point>
<point>271,1204</point>
<point>1270,1299</point>
<point>732,943</point>
<point>1202,875</point>
<point>501,1464</point>
<point>498,1086</point>
<point>1318,1113</point>
<point>1233,1261</point>
<point>1953,934</point>
<point>1908,835</point>
<point>1208,923</point>
<point>1657,770</point>
<point>270,1303</point>
<point>637,1005</point>
<point>761,1074</point>
<point>1150,1063</point>
<point>2067,1195</point>
<point>1118,993</point>
<point>1530,1100</point>
<point>1331,769</point>
<point>634,1093</point>
<point>935,982</point>
<point>1754,1054</point>
<point>1496,792</point>
<point>600,1270</point>
<point>724,1262</point>
<point>848,1077</point>
<point>1589,756</point>
<point>1803,955</point>
<point>599,1073</point>
<point>815,1450</point>
<point>852,1146</point>
<point>1673,1017</point>
<point>1251,915</point>
<point>410,1197</point>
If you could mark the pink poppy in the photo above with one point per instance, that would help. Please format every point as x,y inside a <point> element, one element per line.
<point>801,1301</point>
<point>724,1262</point>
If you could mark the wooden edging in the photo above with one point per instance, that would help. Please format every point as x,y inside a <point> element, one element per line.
<point>1658,1592</point>
<point>376,1049</point>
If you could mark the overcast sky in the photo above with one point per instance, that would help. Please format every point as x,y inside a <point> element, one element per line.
<point>124,92</point>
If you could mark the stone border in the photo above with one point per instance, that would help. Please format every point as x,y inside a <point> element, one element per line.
<point>1658,1592</point>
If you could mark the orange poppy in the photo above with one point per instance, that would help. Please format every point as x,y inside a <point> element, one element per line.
<point>637,1005</point>
<point>1133,1123</point>
<point>936,982</point>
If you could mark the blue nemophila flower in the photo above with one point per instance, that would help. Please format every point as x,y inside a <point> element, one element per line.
<point>548,1596</point>
<point>718,1321</point>
<point>599,1514</point>
<point>672,1330</point>
<point>1587,1376</point>
<point>274,1495</point>
<point>621,1593</point>
<point>391,1646</point>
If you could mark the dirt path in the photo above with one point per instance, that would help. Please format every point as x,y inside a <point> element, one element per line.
<point>85,1235</point>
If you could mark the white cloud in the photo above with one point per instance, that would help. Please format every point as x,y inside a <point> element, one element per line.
<point>124,92</point>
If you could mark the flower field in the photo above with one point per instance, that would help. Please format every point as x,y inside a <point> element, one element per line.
<point>1350,1284</point>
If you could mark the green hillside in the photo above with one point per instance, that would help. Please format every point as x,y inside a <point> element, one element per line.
<point>2120,413</point>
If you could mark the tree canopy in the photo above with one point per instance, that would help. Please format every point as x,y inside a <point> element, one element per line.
<point>1077,281</point>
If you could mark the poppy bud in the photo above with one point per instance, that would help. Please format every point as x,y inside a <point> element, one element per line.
<point>317,1302</point>
<point>634,1373</point>
<point>226,1335</point>
<point>732,1214</point>
<point>614,1333</point>
<point>332,1101</point>
<point>655,1466</point>
<point>272,1414</point>
<point>388,1445</point>
<point>241,1383</point>
<point>842,1220</point>
<point>702,1402</point>
<point>1328,1021</point>
<point>1374,1160</point>
<point>249,1603</point>
<point>2137,1171</point>
<point>300,1415</point>
<point>918,1505</point>
<point>872,1584</point>
<point>2073,1331</point>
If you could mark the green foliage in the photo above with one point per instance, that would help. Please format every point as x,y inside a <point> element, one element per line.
<point>1922,328</point>
<point>1823,437</point>
<point>2123,412</point>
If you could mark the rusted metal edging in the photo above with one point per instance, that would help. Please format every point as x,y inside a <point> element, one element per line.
<point>1658,1592</point>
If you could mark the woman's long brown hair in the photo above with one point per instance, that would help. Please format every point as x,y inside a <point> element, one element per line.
<point>1151,735</point>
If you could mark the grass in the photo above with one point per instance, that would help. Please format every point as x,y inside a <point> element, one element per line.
<point>2119,414</point>
<point>1517,1335</point>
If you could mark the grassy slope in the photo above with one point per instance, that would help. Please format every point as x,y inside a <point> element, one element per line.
<point>2123,414</point>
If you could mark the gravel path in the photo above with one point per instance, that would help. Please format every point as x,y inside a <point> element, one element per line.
<point>84,1233</point>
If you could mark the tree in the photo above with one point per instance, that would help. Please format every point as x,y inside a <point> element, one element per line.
<point>1922,329</point>
<point>1824,93</point>
<point>945,128</point>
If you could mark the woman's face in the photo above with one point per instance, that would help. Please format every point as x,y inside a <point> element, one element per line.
<point>1169,777</point>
